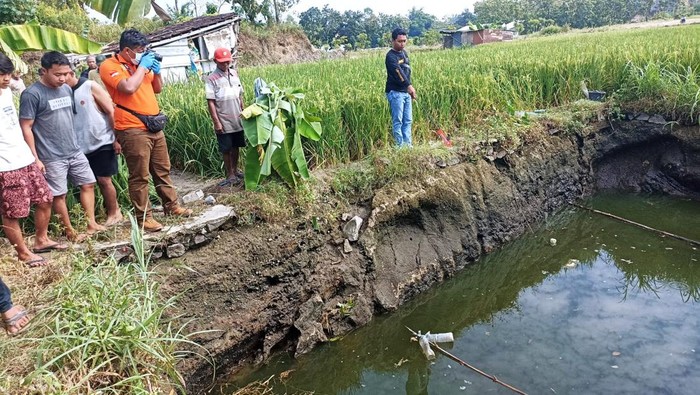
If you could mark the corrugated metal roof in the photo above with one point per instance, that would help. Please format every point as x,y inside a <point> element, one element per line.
<point>194,27</point>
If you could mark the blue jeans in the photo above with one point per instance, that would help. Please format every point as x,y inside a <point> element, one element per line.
<point>401,117</point>
<point>5,301</point>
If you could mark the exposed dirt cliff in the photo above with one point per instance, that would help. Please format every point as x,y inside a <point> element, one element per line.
<point>277,45</point>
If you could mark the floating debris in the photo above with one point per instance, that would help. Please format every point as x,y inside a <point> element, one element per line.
<point>616,353</point>
<point>552,242</point>
<point>572,263</point>
<point>285,375</point>
<point>401,362</point>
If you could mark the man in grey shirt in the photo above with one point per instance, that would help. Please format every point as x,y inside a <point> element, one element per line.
<point>224,94</point>
<point>46,110</point>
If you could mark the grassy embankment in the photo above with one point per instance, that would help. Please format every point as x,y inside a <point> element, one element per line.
<point>472,94</point>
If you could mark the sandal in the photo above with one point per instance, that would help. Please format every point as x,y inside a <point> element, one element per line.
<point>49,248</point>
<point>36,262</point>
<point>14,322</point>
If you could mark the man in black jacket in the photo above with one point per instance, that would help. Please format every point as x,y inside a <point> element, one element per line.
<point>399,90</point>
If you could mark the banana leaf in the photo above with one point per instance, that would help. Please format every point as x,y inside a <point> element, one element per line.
<point>121,11</point>
<point>297,155</point>
<point>252,168</point>
<point>282,163</point>
<point>15,39</point>
<point>258,128</point>
<point>275,143</point>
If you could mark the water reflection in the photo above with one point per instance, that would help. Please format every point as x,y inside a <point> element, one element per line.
<point>622,320</point>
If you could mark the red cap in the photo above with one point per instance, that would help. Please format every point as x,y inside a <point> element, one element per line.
<point>222,55</point>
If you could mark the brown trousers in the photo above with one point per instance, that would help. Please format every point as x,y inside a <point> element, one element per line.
<point>147,153</point>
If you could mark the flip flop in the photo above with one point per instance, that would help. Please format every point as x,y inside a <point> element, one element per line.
<point>230,182</point>
<point>225,183</point>
<point>36,262</point>
<point>9,323</point>
<point>49,248</point>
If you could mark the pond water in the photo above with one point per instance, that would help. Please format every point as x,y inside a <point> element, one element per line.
<point>611,308</point>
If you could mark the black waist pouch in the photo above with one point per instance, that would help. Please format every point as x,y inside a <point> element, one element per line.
<point>154,123</point>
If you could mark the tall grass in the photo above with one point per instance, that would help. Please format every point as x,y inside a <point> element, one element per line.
<point>458,88</point>
<point>107,331</point>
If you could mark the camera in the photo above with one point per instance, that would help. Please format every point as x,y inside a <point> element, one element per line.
<point>156,55</point>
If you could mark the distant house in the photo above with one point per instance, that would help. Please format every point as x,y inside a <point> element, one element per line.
<point>205,33</point>
<point>473,35</point>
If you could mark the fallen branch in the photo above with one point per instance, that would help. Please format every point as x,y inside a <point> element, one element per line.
<point>669,234</point>
<point>466,365</point>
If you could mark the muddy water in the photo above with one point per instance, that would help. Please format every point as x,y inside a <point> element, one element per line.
<point>610,309</point>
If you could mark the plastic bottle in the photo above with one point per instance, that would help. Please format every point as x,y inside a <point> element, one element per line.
<point>440,337</point>
<point>425,346</point>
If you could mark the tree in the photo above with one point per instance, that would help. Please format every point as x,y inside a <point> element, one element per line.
<point>256,11</point>
<point>17,11</point>
<point>464,18</point>
<point>362,41</point>
<point>212,9</point>
<point>498,11</point>
<point>320,25</point>
<point>311,21</point>
<point>179,12</point>
<point>282,6</point>
<point>266,11</point>
<point>351,25</point>
<point>419,22</point>
<point>391,22</point>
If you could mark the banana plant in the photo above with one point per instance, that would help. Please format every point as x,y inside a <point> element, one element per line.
<point>274,126</point>
<point>15,39</point>
<point>123,11</point>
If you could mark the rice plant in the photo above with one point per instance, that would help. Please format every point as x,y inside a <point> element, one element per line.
<point>457,89</point>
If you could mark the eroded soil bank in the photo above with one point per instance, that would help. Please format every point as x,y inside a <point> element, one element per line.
<point>271,287</point>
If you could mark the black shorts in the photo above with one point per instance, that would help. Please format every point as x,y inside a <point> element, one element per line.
<point>103,162</point>
<point>227,141</point>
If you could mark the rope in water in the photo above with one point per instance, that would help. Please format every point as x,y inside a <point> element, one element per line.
<point>466,365</point>
<point>669,234</point>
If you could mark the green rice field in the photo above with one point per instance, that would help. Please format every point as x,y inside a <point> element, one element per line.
<point>461,89</point>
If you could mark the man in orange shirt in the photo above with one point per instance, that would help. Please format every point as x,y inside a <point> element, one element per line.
<point>133,79</point>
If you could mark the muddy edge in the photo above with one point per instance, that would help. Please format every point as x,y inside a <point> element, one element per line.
<point>266,288</point>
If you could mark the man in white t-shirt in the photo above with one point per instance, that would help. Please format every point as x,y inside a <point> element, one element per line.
<point>22,181</point>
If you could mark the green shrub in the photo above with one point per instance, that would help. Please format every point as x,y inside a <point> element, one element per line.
<point>550,30</point>
<point>71,18</point>
<point>16,12</point>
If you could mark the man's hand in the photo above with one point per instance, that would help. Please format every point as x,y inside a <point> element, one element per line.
<point>412,92</point>
<point>218,127</point>
<point>156,67</point>
<point>147,61</point>
<point>117,147</point>
<point>41,166</point>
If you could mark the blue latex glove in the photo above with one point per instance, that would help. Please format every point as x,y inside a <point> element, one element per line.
<point>147,61</point>
<point>155,68</point>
